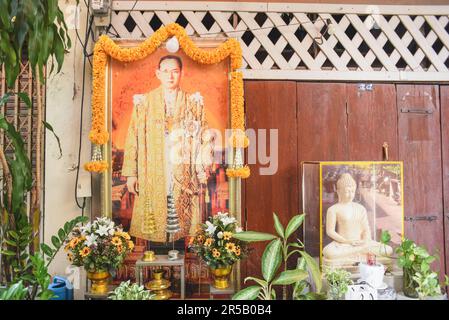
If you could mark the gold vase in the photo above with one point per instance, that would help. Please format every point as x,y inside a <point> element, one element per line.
<point>221,276</point>
<point>159,286</point>
<point>99,281</point>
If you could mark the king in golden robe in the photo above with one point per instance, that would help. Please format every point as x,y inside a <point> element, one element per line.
<point>168,151</point>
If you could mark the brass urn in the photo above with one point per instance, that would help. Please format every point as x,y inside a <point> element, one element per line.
<point>99,281</point>
<point>159,286</point>
<point>221,276</point>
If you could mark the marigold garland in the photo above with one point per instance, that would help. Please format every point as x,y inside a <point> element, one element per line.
<point>96,166</point>
<point>242,172</point>
<point>105,47</point>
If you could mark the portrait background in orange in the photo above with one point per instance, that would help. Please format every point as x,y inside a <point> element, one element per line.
<point>128,79</point>
<point>139,77</point>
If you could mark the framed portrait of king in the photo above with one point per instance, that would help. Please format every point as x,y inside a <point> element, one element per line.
<point>167,152</point>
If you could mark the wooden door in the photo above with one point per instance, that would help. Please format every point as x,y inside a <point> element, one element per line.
<point>322,135</point>
<point>420,149</point>
<point>372,121</point>
<point>271,105</point>
<point>444,96</point>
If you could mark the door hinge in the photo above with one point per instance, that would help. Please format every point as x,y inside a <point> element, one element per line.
<point>421,218</point>
<point>246,219</point>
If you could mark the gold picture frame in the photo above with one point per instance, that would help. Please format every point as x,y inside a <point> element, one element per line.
<point>397,166</point>
<point>102,184</point>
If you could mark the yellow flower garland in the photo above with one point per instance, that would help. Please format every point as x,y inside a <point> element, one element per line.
<point>242,172</point>
<point>96,166</point>
<point>105,47</point>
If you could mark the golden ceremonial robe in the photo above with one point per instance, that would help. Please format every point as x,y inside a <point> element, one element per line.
<point>145,157</point>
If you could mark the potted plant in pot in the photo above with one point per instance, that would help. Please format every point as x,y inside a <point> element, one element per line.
<point>428,286</point>
<point>419,281</point>
<point>338,281</point>
<point>412,259</point>
<point>214,243</point>
<point>305,278</point>
<point>128,291</point>
<point>99,247</point>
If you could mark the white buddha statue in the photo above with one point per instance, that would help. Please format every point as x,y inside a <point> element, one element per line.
<point>347,225</point>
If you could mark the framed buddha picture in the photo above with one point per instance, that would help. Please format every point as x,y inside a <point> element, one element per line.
<point>359,200</point>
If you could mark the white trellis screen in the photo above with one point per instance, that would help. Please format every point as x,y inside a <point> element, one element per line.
<point>309,41</point>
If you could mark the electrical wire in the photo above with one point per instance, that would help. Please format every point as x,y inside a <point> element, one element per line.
<point>89,22</point>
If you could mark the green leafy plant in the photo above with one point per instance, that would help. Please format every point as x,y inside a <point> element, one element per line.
<point>338,281</point>
<point>31,270</point>
<point>276,253</point>
<point>428,284</point>
<point>17,291</point>
<point>418,278</point>
<point>413,259</point>
<point>34,27</point>
<point>303,289</point>
<point>128,291</point>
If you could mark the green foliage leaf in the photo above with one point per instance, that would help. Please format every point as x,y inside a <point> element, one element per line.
<point>13,234</point>
<point>46,249</point>
<point>17,291</point>
<point>49,127</point>
<point>251,236</point>
<point>4,99</point>
<point>61,234</point>
<point>290,276</point>
<point>278,225</point>
<point>10,242</point>
<point>250,293</point>
<point>55,241</point>
<point>314,269</point>
<point>385,237</point>
<point>25,98</point>
<point>271,259</point>
<point>294,224</point>
<point>19,166</point>
<point>261,282</point>
<point>8,253</point>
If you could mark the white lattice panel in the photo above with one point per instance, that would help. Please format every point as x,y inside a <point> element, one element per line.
<point>309,41</point>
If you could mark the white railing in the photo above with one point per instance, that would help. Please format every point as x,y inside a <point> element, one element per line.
<point>309,41</point>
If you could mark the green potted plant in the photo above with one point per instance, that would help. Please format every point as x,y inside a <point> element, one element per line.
<point>338,281</point>
<point>276,253</point>
<point>413,259</point>
<point>128,291</point>
<point>428,286</point>
<point>419,281</point>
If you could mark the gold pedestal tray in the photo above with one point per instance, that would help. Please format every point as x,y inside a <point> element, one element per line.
<point>159,286</point>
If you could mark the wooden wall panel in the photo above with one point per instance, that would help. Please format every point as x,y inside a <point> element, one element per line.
<point>322,135</point>
<point>444,96</point>
<point>420,149</point>
<point>372,120</point>
<point>271,105</point>
<point>322,121</point>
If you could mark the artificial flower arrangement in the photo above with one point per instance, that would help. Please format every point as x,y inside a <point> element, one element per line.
<point>98,246</point>
<point>213,241</point>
